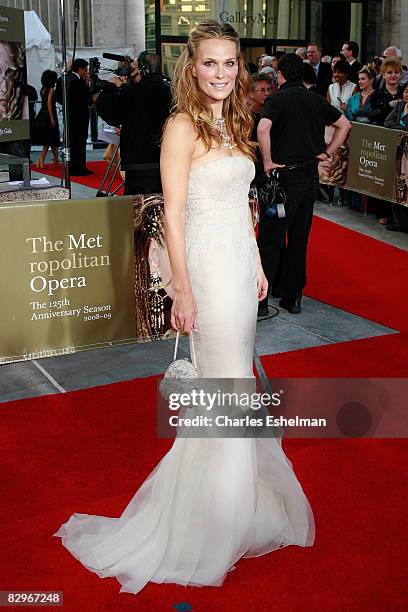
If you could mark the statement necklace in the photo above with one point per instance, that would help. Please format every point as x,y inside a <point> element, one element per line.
<point>219,125</point>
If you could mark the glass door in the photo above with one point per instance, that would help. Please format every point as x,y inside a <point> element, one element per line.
<point>170,53</point>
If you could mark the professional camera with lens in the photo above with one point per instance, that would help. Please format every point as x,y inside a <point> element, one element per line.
<point>97,84</point>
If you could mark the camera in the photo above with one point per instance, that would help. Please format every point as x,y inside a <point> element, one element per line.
<point>123,71</point>
<point>96,84</point>
<point>276,209</point>
<point>273,197</point>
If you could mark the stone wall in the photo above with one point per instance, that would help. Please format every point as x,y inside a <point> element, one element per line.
<point>403,30</point>
<point>394,29</point>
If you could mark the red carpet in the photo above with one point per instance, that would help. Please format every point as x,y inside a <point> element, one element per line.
<point>74,453</point>
<point>358,274</point>
<point>93,180</point>
<point>367,278</point>
<point>88,451</point>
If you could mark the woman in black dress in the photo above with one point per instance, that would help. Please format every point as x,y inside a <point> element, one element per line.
<point>46,129</point>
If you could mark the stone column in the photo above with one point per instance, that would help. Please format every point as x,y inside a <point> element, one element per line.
<point>403,23</point>
<point>284,19</point>
<point>391,27</point>
<point>356,22</point>
<point>109,23</point>
<point>135,24</point>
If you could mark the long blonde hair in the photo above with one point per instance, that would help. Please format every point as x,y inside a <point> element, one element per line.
<point>188,97</point>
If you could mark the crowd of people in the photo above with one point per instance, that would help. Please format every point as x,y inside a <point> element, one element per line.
<point>289,120</point>
<point>137,106</point>
<point>375,93</point>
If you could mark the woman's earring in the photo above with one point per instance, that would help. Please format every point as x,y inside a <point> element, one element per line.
<point>156,301</point>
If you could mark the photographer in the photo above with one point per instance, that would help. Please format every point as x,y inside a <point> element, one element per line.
<point>140,107</point>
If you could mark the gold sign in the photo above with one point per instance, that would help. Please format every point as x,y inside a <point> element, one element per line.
<point>66,279</point>
<point>372,157</point>
<point>373,161</point>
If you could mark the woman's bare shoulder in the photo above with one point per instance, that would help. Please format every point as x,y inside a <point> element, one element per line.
<point>180,125</point>
<point>179,131</point>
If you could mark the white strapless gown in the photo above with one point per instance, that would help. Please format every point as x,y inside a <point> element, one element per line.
<point>209,501</point>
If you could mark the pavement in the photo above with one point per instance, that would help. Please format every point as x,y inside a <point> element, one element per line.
<point>317,325</point>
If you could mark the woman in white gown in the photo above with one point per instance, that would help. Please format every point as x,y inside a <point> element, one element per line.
<point>209,501</point>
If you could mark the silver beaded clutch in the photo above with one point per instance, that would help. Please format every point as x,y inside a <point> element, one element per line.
<point>181,375</point>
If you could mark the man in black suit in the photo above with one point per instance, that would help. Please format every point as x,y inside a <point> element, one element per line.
<point>322,70</point>
<point>79,101</point>
<point>350,50</point>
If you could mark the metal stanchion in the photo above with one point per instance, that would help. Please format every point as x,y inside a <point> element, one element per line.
<point>114,161</point>
<point>66,155</point>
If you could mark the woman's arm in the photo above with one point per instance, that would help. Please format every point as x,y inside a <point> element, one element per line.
<point>341,128</point>
<point>251,227</point>
<point>175,163</point>
<point>262,283</point>
<point>349,111</point>
<point>50,107</point>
